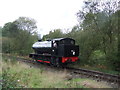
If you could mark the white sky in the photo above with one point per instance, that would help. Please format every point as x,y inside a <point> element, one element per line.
<point>49,14</point>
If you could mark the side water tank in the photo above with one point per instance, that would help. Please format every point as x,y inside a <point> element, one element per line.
<point>42,44</point>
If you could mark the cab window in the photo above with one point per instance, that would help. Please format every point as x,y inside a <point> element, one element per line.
<point>67,42</point>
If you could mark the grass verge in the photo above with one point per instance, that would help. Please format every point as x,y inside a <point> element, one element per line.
<point>19,75</point>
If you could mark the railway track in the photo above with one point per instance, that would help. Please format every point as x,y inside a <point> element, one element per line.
<point>100,76</point>
<point>115,79</point>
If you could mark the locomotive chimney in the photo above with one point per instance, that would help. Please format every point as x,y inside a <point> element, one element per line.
<point>39,38</point>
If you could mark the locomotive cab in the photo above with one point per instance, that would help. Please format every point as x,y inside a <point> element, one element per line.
<point>67,41</point>
<point>63,41</point>
<point>64,47</point>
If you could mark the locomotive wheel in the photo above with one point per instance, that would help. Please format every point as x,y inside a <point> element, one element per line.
<point>57,62</point>
<point>37,61</point>
<point>52,61</point>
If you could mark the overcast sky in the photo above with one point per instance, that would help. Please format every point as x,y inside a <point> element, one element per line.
<point>49,14</point>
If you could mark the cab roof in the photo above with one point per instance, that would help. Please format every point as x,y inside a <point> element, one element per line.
<point>58,39</point>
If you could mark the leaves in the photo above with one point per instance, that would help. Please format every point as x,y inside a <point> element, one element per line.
<point>26,23</point>
<point>18,36</point>
<point>57,33</point>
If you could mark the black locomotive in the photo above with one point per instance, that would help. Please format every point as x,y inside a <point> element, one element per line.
<point>55,51</point>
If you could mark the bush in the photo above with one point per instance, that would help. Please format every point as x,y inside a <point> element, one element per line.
<point>9,80</point>
<point>98,58</point>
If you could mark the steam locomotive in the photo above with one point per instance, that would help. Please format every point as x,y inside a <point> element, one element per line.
<point>56,52</point>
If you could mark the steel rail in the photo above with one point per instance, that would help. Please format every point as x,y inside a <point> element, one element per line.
<point>96,74</point>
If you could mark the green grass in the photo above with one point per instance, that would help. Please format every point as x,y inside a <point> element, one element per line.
<point>20,75</point>
<point>0,71</point>
<point>0,81</point>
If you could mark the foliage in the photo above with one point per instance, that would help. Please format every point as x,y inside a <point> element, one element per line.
<point>100,22</point>
<point>9,81</point>
<point>18,36</point>
<point>0,32</point>
<point>26,23</point>
<point>53,34</point>
<point>10,30</point>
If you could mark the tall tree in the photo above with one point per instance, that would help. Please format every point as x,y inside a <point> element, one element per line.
<point>57,33</point>
<point>26,23</point>
<point>0,31</point>
<point>97,18</point>
<point>18,36</point>
<point>10,30</point>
